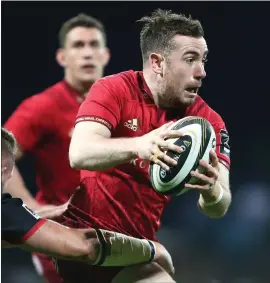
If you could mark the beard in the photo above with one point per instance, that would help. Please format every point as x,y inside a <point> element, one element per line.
<point>171,93</point>
<point>174,98</point>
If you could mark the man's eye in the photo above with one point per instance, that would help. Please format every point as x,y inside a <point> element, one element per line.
<point>190,60</point>
<point>78,44</point>
<point>95,43</point>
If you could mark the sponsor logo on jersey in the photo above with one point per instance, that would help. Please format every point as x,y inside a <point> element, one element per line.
<point>224,143</point>
<point>132,124</point>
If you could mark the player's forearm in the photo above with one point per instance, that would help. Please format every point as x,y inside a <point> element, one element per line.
<point>210,205</point>
<point>102,153</point>
<point>62,242</point>
<point>17,188</point>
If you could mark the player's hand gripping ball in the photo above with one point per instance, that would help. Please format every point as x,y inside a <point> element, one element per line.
<point>197,141</point>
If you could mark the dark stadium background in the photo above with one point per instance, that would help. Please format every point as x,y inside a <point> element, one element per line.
<point>233,249</point>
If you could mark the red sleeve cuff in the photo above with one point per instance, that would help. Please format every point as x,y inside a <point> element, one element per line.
<point>33,230</point>
<point>96,119</point>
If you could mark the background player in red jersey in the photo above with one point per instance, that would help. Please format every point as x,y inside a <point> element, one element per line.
<point>21,227</point>
<point>121,128</point>
<point>43,123</point>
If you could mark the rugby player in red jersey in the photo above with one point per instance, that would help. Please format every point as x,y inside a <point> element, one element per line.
<point>120,128</point>
<point>43,123</point>
<point>21,227</point>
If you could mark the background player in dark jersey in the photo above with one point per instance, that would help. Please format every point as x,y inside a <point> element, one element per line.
<point>121,128</point>
<point>21,227</point>
<point>43,123</point>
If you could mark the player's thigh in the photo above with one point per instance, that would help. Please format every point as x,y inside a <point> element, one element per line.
<point>143,273</point>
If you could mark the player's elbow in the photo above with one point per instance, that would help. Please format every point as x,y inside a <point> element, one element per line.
<point>76,154</point>
<point>75,159</point>
<point>79,159</point>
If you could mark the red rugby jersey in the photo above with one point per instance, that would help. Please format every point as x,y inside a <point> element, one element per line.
<point>122,198</point>
<point>42,125</point>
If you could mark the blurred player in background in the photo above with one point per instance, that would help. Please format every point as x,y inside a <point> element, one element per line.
<point>121,127</point>
<point>21,227</point>
<point>43,123</point>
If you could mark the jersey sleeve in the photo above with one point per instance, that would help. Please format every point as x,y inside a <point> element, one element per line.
<point>102,105</point>
<point>28,121</point>
<point>18,223</point>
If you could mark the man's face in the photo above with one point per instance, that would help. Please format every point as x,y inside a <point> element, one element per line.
<point>183,71</point>
<point>7,166</point>
<point>84,55</point>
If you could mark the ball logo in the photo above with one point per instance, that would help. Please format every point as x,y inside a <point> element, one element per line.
<point>162,173</point>
<point>187,143</point>
<point>214,143</point>
<point>176,157</point>
<point>183,148</point>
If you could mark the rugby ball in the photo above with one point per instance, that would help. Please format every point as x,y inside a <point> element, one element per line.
<point>197,141</point>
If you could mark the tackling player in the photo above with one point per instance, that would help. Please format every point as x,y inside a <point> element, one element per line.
<point>22,228</point>
<point>43,123</point>
<point>121,127</point>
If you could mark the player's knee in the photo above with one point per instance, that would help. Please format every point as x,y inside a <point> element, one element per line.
<point>155,270</point>
<point>159,274</point>
<point>165,260</point>
<point>141,273</point>
<point>151,272</point>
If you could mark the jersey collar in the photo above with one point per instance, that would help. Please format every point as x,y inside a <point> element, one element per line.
<point>76,95</point>
<point>144,87</point>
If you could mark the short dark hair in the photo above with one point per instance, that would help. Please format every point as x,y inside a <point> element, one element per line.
<point>8,143</point>
<point>81,20</point>
<point>160,28</point>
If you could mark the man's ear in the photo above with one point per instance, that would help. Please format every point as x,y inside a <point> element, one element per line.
<point>60,57</point>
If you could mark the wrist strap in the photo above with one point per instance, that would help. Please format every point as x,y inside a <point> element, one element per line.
<point>103,248</point>
<point>153,251</point>
<point>211,203</point>
<point>118,249</point>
